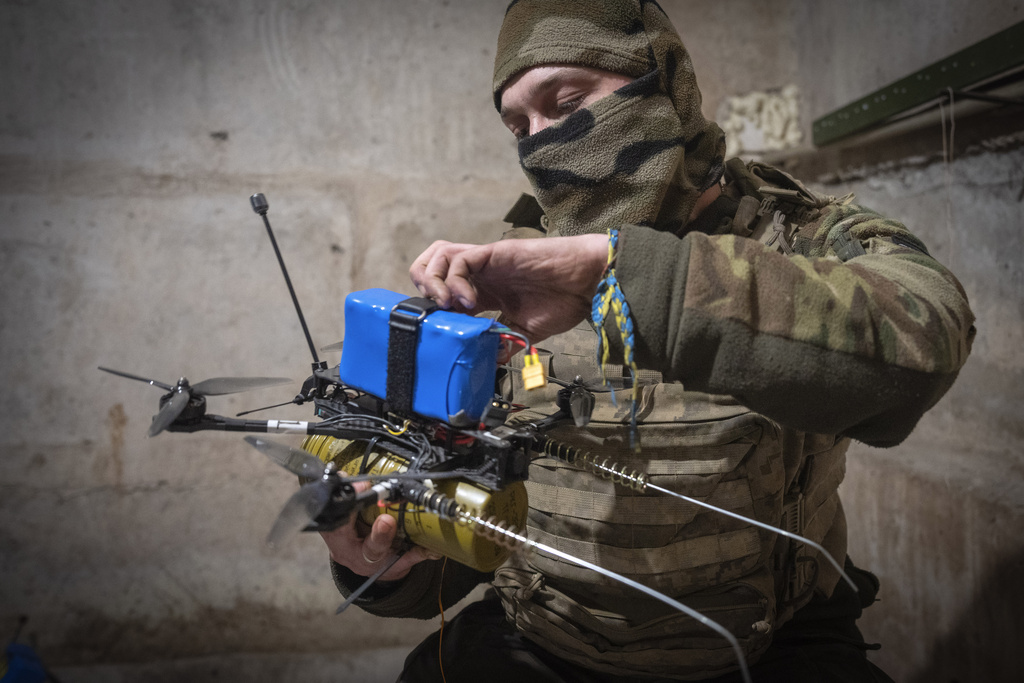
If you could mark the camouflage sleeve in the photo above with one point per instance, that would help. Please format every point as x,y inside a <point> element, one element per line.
<point>861,348</point>
<point>418,594</point>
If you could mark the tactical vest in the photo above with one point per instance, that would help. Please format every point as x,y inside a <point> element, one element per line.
<point>704,446</point>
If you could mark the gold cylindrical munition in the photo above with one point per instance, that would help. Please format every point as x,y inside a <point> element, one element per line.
<point>422,527</point>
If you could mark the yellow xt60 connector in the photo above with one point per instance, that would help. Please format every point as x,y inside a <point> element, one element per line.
<point>534,376</point>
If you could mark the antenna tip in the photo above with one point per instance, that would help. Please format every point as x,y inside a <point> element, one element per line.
<point>259,203</point>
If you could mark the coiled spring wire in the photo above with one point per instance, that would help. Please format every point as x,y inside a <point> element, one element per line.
<point>433,502</point>
<point>640,482</point>
<point>500,532</point>
<point>497,531</point>
<point>599,465</point>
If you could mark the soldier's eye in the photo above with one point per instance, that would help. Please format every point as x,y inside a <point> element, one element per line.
<point>566,108</point>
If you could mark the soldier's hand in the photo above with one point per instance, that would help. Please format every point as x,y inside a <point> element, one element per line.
<point>542,286</point>
<point>352,545</point>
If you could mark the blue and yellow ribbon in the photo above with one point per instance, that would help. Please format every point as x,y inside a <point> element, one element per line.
<point>610,301</point>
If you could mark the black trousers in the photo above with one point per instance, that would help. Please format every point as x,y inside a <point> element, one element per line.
<point>820,644</point>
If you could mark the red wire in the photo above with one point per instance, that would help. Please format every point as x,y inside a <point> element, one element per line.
<point>517,340</point>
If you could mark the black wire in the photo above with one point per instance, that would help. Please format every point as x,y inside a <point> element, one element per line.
<point>363,467</point>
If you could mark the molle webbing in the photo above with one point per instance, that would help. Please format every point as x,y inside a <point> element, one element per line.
<point>707,447</point>
<point>664,645</point>
<point>679,547</point>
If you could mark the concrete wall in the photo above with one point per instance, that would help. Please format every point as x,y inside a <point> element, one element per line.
<point>132,134</point>
<point>131,137</point>
<point>940,519</point>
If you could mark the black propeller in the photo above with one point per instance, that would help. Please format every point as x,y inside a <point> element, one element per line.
<point>183,392</point>
<point>292,459</point>
<point>171,409</point>
<point>306,504</point>
<point>302,508</point>
<point>581,399</point>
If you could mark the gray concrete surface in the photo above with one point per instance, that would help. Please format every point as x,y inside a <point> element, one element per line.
<point>380,665</point>
<point>132,134</point>
<point>940,518</point>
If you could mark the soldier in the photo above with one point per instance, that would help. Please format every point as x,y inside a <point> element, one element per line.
<point>762,327</point>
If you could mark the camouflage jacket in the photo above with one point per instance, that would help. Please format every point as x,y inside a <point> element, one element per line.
<point>856,331</point>
<point>845,326</point>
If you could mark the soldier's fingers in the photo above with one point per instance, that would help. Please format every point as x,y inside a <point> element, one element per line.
<point>343,544</point>
<point>464,270</point>
<point>432,279</point>
<point>377,545</point>
<point>447,281</point>
<point>421,261</point>
<point>418,269</point>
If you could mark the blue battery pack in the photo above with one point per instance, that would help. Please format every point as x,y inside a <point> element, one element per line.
<point>456,357</point>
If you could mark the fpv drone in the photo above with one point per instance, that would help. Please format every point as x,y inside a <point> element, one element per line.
<point>411,409</point>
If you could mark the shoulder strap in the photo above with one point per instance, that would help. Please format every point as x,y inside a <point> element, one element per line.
<point>774,204</point>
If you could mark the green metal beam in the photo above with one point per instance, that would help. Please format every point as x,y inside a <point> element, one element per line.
<point>990,57</point>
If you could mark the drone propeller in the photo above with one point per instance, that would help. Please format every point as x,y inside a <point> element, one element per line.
<point>308,502</point>
<point>578,397</point>
<point>215,386</point>
<point>292,459</point>
<point>219,386</point>
<point>303,507</point>
<point>119,373</point>
<point>336,346</point>
<point>581,405</point>
<point>581,397</point>
<point>169,411</point>
<point>183,392</point>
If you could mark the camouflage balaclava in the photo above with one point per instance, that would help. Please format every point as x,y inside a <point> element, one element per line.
<point>642,155</point>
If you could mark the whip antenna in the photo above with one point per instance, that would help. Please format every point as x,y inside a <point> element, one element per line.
<point>260,206</point>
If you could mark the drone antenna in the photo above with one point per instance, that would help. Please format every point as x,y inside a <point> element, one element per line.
<point>260,206</point>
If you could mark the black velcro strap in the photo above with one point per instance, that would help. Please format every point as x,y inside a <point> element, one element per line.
<point>404,323</point>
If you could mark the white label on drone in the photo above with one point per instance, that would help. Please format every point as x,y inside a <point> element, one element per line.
<point>286,427</point>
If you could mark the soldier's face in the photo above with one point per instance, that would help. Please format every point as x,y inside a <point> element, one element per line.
<point>542,95</point>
